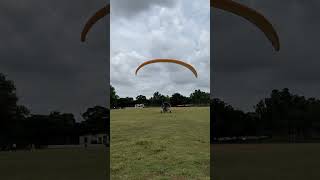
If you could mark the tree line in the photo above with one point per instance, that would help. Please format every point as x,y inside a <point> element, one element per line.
<point>282,116</point>
<point>197,98</point>
<point>19,126</point>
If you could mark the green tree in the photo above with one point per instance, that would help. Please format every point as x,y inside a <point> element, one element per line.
<point>287,115</point>
<point>141,99</point>
<point>113,97</point>
<point>55,128</point>
<point>157,99</point>
<point>178,99</point>
<point>200,97</point>
<point>125,102</point>
<point>96,119</point>
<point>11,114</point>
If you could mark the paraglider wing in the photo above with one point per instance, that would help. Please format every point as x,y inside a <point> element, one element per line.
<point>95,18</point>
<point>191,68</point>
<point>251,15</point>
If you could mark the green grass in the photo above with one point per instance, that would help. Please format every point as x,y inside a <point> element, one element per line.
<point>266,162</point>
<point>146,144</point>
<point>239,161</point>
<point>57,164</point>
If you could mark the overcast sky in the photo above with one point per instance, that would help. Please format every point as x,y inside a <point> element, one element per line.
<point>40,50</point>
<point>147,29</point>
<point>245,66</point>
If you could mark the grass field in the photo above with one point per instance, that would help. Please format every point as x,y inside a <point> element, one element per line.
<point>57,164</point>
<point>231,162</point>
<point>266,162</point>
<point>146,144</point>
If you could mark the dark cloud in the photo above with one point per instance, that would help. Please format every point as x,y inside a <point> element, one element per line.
<point>41,51</point>
<point>245,67</point>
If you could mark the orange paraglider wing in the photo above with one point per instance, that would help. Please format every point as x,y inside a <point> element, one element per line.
<point>251,15</point>
<point>95,18</point>
<point>190,67</point>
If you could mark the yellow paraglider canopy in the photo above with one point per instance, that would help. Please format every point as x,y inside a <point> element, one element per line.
<point>190,67</point>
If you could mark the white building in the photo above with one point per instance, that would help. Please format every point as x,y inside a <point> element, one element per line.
<point>94,139</point>
<point>139,106</point>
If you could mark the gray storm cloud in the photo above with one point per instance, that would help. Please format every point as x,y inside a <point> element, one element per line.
<point>246,69</point>
<point>41,51</point>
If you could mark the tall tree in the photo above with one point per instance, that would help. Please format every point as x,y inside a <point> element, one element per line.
<point>10,113</point>
<point>113,97</point>
<point>200,97</point>
<point>141,99</point>
<point>157,99</point>
<point>287,115</point>
<point>96,119</point>
<point>178,99</point>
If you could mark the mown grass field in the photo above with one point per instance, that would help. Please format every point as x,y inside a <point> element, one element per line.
<point>266,162</point>
<point>54,164</point>
<point>238,161</point>
<point>146,144</point>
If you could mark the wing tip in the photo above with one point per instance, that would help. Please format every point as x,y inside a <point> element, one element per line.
<point>92,20</point>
